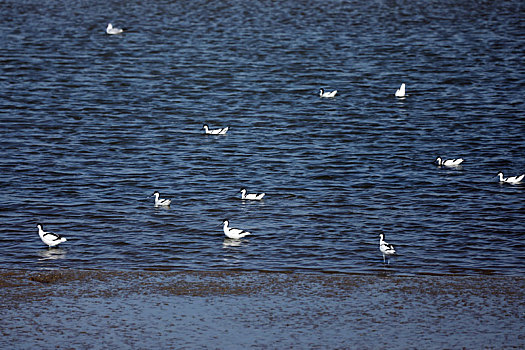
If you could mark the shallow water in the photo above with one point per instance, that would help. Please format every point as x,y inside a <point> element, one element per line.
<point>92,124</point>
<point>239,310</point>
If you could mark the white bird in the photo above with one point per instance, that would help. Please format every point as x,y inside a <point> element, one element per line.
<point>251,196</point>
<point>385,248</point>
<point>401,91</point>
<point>111,30</point>
<point>449,162</point>
<point>511,179</point>
<point>329,94</point>
<point>50,238</point>
<point>161,201</point>
<point>233,233</point>
<point>220,131</point>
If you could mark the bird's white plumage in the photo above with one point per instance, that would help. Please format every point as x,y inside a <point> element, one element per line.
<point>160,202</point>
<point>401,91</point>
<point>251,196</point>
<point>50,238</point>
<point>233,233</point>
<point>511,179</point>
<point>112,30</point>
<point>385,248</point>
<point>220,131</point>
<point>327,94</point>
<point>449,162</point>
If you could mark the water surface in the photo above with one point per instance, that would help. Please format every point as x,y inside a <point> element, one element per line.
<point>239,310</point>
<point>93,124</point>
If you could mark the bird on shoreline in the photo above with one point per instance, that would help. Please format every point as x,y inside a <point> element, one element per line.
<point>327,94</point>
<point>385,248</point>
<point>401,91</point>
<point>160,201</point>
<point>449,162</point>
<point>112,30</point>
<point>251,196</point>
<point>233,233</point>
<point>220,131</point>
<point>514,180</point>
<point>50,238</point>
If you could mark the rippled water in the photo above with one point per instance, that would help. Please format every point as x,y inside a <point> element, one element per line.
<point>241,310</point>
<point>92,124</point>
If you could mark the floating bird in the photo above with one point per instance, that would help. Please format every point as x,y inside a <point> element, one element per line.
<point>449,162</point>
<point>329,94</point>
<point>511,179</point>
<point>385,248</point>
<point>111,30</point>
<point>401,91</point>
<point>220,131</point>
<point>50,238</point>
<point>233,233</point>
<point>251,196</point>
<point>160,201</point>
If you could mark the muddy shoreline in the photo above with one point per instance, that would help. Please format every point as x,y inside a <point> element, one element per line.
<point>98,309</point>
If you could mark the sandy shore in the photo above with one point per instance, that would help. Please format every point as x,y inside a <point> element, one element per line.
<point>72,309</point>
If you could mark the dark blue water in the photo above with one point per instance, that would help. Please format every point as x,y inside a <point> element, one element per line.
<point>92,124</point>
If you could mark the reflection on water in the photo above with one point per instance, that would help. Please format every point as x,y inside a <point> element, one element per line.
<point>450,167</point>
<point>161,207</point>
<point>52,254</point>
<point>228,242</point>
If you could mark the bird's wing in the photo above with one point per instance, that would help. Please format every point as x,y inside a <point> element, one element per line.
<point>235,231</point>
<point>387,246</point>
<point>53,235</point>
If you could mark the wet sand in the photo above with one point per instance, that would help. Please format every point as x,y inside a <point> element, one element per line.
<point>72,309</point>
